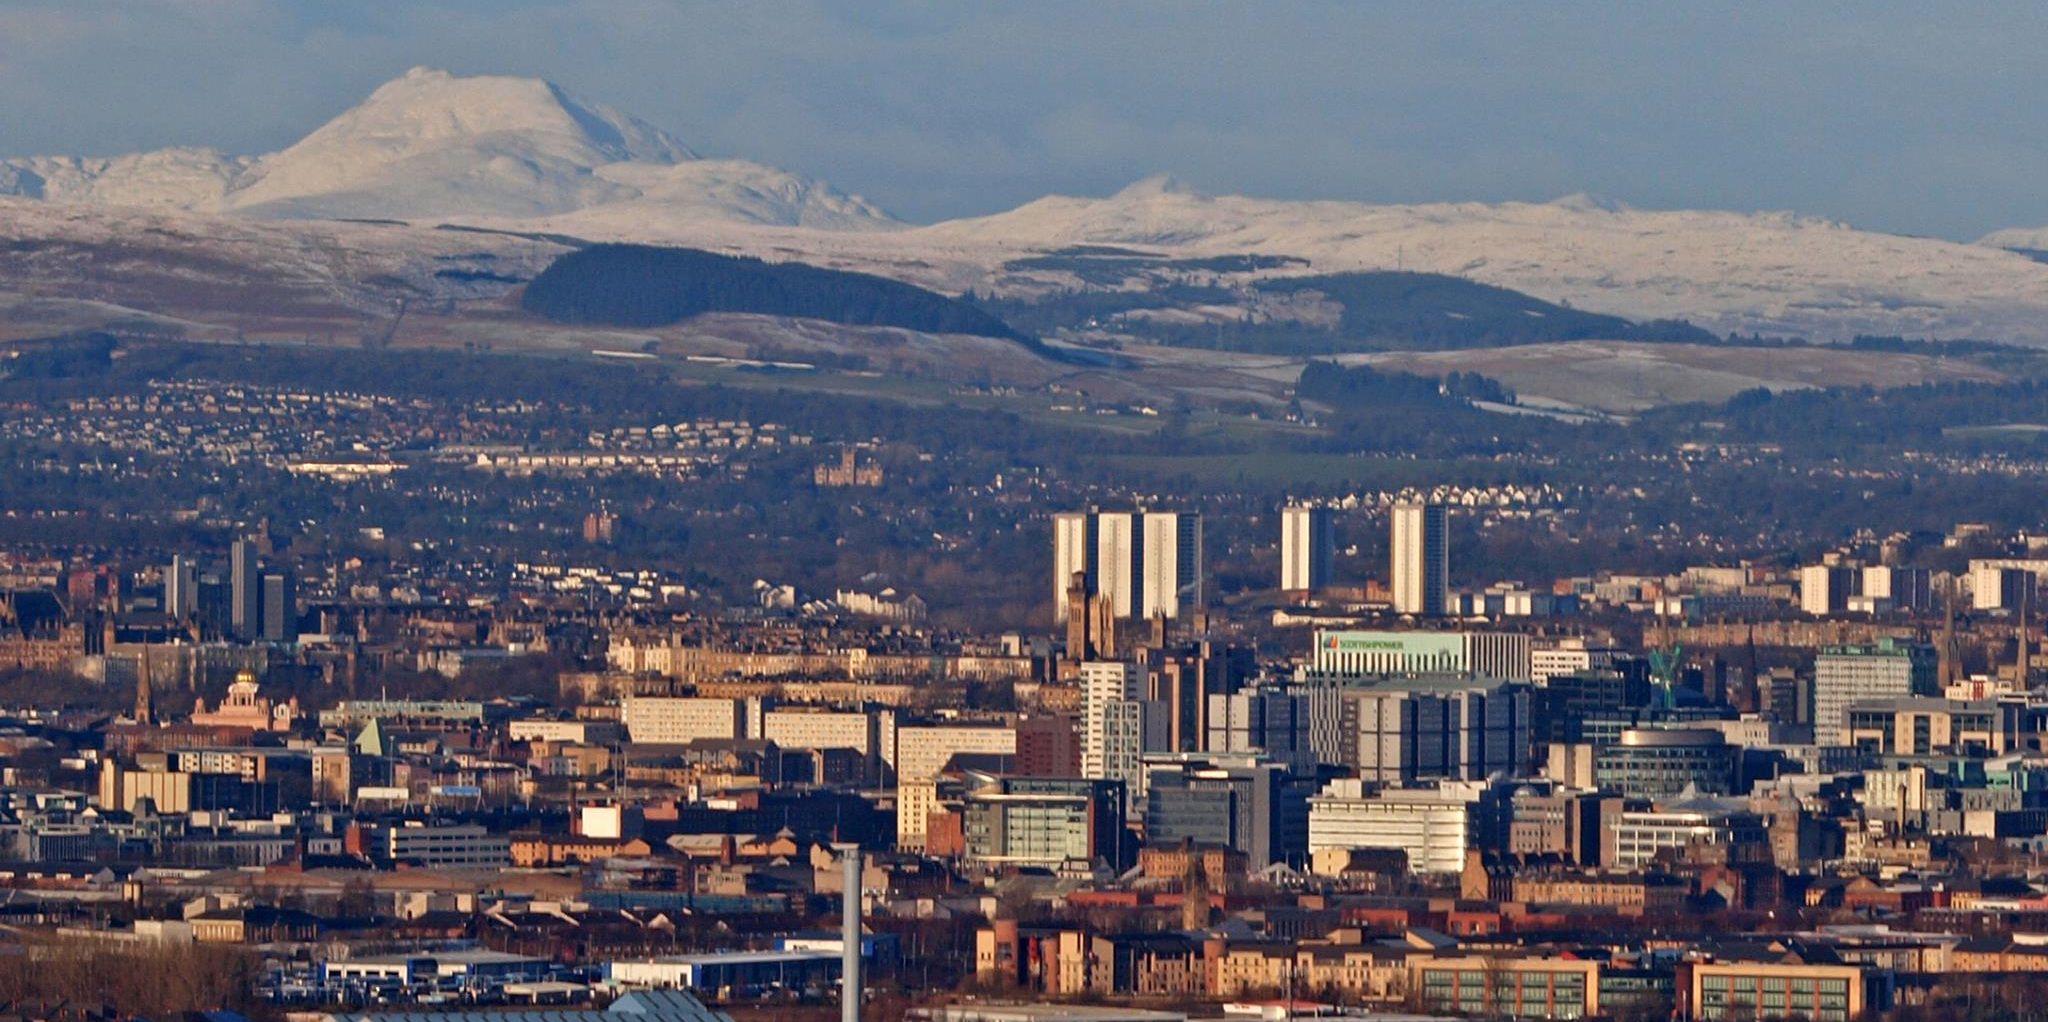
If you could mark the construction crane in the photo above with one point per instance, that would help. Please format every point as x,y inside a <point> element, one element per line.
<point>1664,665</point>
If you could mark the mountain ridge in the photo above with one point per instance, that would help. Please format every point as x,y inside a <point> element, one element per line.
<point>525,156</point>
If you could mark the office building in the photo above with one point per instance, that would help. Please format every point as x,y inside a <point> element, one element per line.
<point>1846,675</point>
<point>1662,763</point>
<point>1434,825</point>
<point>1712,991</point>
<point>1308,547</point>
<point>181,589</point>
<point>1045,822</point>
<point>1246,803</point>
<point>1143,564</point>
<point>1570,655</point>
<point>1917,726</point>
<point>1507,986</point>
<point>1119,725</point>
<point>1449,726</point>
<point>1340,654</point>
<point>245,592</point>
<point>1638,836</point>
<point>1421,575</point>
<point>1048,746</point>
<point>280,616</point>
<point>431,846</point>
<point>921,752</point>
<point>1577,707</point>
<point>726,973</point>
<point>1183,679</point>
<point>1273,722</point>
<point>1559,819</point>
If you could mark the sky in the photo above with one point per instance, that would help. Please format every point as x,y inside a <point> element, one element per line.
<point>1915,118</point>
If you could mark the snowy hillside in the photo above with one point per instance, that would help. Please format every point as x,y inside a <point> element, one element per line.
<point>2018,239</point>
<point>1770,272</point>
<point>521,155</point>
<point>431,145</point>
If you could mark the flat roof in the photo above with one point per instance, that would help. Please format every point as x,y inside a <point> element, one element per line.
<point>731,958</point>
<point>1048,1012</point>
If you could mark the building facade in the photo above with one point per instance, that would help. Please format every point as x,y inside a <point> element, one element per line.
<point>1846,675</point>
<point>1421,570</point>
<point>1307,547</point>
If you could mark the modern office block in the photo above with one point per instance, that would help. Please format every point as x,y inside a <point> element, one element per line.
<point>1434,825</point>
<point>1248,803</point>
<point>280,614</point>
<point>245,608</point>
<point>1846,675</point>
<point>181,589</point>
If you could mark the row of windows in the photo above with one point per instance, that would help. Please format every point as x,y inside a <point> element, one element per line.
<point>1745,984</point>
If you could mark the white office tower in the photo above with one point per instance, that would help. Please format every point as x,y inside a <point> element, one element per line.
<point>1172,564</point>
<point>1119,725</point>
<point>1307,547</point>
<point>1422,559</point>
<point>181,588</point>
<point>1143,563</point>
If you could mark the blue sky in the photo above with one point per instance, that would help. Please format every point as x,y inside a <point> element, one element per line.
<point>1918,118</point>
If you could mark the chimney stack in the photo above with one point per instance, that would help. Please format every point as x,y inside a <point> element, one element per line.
<point>851,990</point>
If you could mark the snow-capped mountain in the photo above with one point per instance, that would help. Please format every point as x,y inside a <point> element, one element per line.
<point>520,155</point>
<point>431,145</point>
<point>1770,272</point>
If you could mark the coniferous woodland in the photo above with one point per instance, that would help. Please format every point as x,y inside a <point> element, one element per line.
<point>645,286</point>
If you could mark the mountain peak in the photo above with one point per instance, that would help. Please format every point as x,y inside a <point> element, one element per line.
<point>426,106</point>
<point>429,142</point>
<point>434,145</point>
<point>1158,185</point>
<point>1588,202</point>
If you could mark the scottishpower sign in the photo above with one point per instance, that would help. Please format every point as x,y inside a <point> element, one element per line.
<point>1387,652</point>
